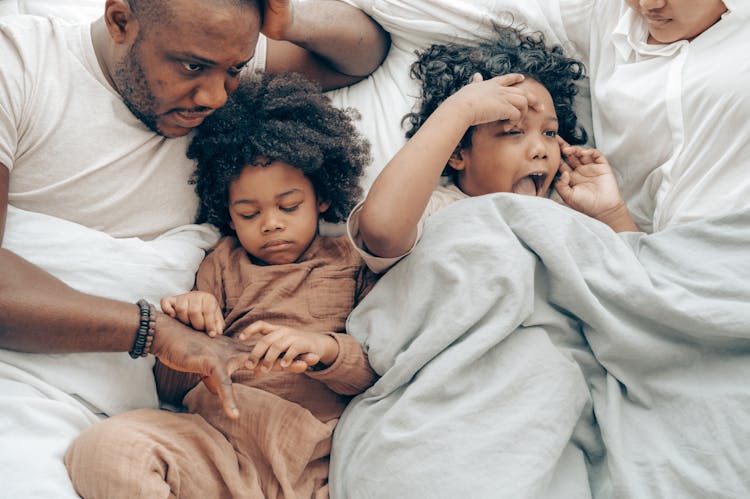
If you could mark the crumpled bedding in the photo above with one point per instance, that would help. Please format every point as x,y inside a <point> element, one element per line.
<point>528,351</point>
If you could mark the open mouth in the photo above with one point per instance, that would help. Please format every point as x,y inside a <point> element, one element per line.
<point>190,119</point>
<point>531,185</point>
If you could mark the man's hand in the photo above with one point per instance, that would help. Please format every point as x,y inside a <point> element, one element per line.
<point>278,17</point>
<point>215,359</point>
<point>197,309</point>
<point>288,349</point>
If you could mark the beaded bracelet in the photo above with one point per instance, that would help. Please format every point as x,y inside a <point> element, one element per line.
<point>144,338</point>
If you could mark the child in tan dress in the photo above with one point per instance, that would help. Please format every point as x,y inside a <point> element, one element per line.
<point>271,163</point>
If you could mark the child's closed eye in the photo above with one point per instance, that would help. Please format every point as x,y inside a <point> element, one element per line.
<point>290,209</point>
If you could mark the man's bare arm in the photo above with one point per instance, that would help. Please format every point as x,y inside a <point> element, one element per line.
<point>326,40</point>
<point>41,314</point>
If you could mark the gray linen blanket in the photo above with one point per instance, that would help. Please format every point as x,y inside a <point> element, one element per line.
<point>527,351</point>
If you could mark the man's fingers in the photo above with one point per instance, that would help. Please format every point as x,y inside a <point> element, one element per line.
<point>226,395</point>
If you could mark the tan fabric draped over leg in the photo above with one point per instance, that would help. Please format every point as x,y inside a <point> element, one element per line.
<point>277,449</point>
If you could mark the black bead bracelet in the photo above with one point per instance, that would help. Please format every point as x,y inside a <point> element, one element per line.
<point>145,335</point>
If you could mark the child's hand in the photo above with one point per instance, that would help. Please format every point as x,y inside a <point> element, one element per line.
<point>495,99</point>
<point>587,184</point>
<point>288,349</point>
<point>197,309</point>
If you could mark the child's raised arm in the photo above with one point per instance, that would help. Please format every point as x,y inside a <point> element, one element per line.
<point>398,197</point>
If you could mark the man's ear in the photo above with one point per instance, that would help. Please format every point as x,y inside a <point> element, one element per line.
<point>121,23</point>
<point>457,160</point>
<point>323,206</point>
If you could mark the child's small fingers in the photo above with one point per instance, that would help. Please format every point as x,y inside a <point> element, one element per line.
<point>310,358</point>
<point>219,326</point>
<point>587,155</point>
<point>298,366</point>
<point>562,186</point>
<point>509,79</point>
<point>573,160</point>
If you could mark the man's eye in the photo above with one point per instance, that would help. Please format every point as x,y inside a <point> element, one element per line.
<point>289,209</point>
<point>191,67</point>
<point>236,70</point>
<point>250,216</point>
<point>512,132</point>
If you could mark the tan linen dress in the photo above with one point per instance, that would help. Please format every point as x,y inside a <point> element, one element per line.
<point>281,443</point>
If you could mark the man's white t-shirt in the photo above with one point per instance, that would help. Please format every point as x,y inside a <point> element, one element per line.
<point>74,151</point>
<point>73,148</point>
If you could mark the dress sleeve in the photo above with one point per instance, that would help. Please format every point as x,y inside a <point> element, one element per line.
<point>209,275</point>
<point>350,373</point>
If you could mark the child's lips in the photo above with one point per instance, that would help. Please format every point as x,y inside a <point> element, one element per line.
<point>276,245</point>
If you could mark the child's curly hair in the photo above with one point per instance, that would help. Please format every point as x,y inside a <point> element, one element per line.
<point>444,69</point>
<point>279,117</point>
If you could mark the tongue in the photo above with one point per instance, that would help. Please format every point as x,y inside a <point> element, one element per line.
<point>525,186</point>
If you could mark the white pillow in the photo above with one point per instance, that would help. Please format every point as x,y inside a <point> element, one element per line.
<point>76,10</point>
<point>389,93</point>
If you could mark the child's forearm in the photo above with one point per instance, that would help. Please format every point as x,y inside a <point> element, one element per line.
<point>400,193</point>
<point>351,372</point>
<point>619,219</point>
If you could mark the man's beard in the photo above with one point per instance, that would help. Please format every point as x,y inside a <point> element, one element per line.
<point>134,89</point>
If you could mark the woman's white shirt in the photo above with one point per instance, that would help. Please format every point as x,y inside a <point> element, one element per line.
<point>671,119</point>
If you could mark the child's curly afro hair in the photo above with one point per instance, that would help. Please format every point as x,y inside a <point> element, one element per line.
<point>444,69</point>
<point>279,117</point>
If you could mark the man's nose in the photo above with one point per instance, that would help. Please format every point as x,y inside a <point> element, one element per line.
<point>211,93</point>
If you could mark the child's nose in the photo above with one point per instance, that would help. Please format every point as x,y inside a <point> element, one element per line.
<point>271,224</point>
<point>538,149</point>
